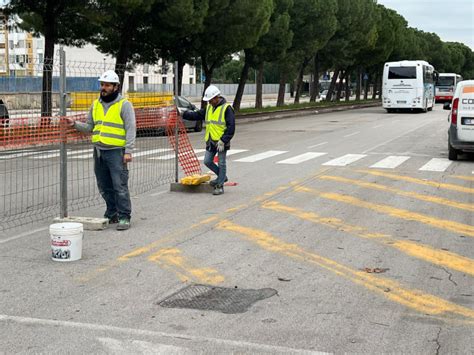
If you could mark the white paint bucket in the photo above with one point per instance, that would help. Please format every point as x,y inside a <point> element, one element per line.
<point>66,241</point>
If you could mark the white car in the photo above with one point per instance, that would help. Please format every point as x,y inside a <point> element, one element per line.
<point>461,120</point>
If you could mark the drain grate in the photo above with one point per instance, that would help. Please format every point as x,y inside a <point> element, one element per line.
<point>212,298</point>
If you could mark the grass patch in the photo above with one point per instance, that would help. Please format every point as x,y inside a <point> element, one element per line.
<point>304,105</point>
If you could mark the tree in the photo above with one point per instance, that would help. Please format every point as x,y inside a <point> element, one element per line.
<point>356,31</point>
<point>59,21</point>
<point>270,47</point>
<point>229,27</point>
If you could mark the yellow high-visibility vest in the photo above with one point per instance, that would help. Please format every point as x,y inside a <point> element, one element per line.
<point>215,122</point>
<point>108,129</point>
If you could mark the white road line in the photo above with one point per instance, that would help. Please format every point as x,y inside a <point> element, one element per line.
<point>149,152</point>
<point>395,138</point>
<point>172,156</point>
<point>26,234</point>
<point>436,164</point>
<point>317,145</point>
<point>142,332</point>
<point>26,154</point>
<point>158,193</point>
<point>390,162</point>
<point>301,158</point>
<point>352,134</point>
<point>261,156</point>
<point>345,160</point>
<point>57,154</point>
<point>229,152</point>
<point>116,346</point>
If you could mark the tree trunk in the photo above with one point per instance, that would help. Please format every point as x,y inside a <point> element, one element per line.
<point>359,87</point>
<point>281,89</point>
<point>332,85</point>
<point>374,93</point>
<point>46,95</point>
<point>181,64</point>
<point>259,87</point>
<point>240,89</point>
<point>315,82</point>
<point>366,89</point>
<point>340,84</point>
<point>299,81</point>
<point>208,71</point>
<point>348,89</point>
<point>122,59</point>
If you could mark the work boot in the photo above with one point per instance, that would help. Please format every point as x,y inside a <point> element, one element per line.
<point>218,190</point>
<point>213,183</point>
<point>123,224</point>
<point>112,220</point>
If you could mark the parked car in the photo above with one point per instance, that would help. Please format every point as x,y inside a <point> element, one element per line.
<point>461,120</point>
<point>185,105</point>
<point>323,95</point>
<point>4,117</point>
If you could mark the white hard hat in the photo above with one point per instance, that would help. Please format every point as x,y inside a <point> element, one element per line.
<point>211,92</point>
<point>109,77</point>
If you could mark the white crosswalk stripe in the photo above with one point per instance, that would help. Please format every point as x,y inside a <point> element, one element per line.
<point>345,160</point>
<point>390,162</point>
<point>436,164</point>
<point>28,154</point>
<point>172,156</point>
<point>229,152</point>
<point>301,158</point>
<point>261,156</point>
<point>57,154</point>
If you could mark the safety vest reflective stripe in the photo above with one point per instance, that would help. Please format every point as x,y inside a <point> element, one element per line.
<point>108,129</point>
<point>215,122</point>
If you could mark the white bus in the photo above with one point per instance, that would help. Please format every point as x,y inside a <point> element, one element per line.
<point>408,84</point>
<point>445,86</point>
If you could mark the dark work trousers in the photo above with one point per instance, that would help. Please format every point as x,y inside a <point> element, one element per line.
<point>112,179</point>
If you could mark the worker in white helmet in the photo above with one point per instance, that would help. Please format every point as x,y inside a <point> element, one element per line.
<point>220,128</point>
<point>111,120</point>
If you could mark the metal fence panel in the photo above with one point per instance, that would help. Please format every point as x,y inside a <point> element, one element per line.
<point>29,144</point>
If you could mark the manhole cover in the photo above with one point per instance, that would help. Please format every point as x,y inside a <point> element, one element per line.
<point>212,298</point>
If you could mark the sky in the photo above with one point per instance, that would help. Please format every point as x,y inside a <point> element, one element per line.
<point>451,20</point>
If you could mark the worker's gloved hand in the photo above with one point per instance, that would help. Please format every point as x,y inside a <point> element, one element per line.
<point>220,146</point>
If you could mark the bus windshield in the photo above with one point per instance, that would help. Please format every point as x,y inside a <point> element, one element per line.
<point>445,81</point>
<point>402,73</point>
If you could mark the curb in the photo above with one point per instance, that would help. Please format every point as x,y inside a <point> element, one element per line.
<point>265,116</point>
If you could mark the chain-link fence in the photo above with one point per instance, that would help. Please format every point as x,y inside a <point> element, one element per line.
<point>46,168</point>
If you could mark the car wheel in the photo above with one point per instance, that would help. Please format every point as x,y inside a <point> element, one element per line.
<point>452,153</point>
<point>198,126</point>
<point>390,110</point>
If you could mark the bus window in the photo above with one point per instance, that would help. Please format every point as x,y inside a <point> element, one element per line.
<point>402,73</point>
<point>445,81</point>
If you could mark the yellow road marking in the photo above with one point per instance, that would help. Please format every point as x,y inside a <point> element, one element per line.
<point>414,299</point>
<point>173,236</point>
<point>435,184</point>
<point>172,258</point>
<point>380,187</point>
<point>456,227</point>
<point>438,257</point>
<point>460,177</point>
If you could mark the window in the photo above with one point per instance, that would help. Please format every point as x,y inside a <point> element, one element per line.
<point>164,80</point>
<point>145,80</point>
<point>445,81</point>
<point>402,73</point>
<point>131,83</point>
<point>191,80</point>
<point>428,74</point>
<point>146,68</point>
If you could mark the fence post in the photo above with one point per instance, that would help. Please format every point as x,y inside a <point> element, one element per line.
<point>176,128</point>
<point>63,130</point>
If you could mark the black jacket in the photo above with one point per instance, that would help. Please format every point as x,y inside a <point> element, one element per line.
<point>229,120</point>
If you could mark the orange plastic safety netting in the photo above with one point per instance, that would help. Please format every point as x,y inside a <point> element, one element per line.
<point>186,156</point>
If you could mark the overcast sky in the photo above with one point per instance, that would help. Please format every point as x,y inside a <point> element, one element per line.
<point>451,20</point>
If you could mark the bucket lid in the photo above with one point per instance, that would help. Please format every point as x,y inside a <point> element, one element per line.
<point>65,226</point>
